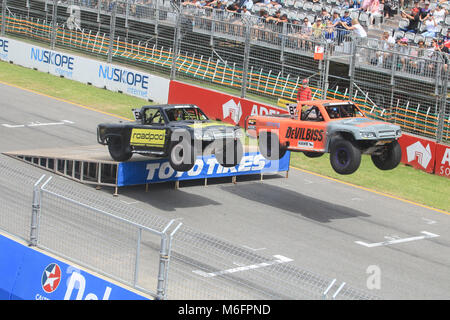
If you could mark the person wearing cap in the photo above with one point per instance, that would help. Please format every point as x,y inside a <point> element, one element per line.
<point>304,92</point>
<point>417,64</point>
<point>403,49</point>
<point>415,7</point>
<point>317,28</point>
<point>425,11</point>
<point>325,16</point>
<point>341,30</point>
<point>414,20</point>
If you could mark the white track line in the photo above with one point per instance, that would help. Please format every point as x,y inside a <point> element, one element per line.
<point>280,259</point>
<point>427,235</point>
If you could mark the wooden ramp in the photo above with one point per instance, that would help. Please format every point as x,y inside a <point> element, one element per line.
<point>86,164</point>
<point>93,165</point>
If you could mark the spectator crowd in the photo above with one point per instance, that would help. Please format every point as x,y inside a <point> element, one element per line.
<point>421,33</point>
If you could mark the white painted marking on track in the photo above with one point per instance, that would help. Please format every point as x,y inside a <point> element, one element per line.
<point>253,249</point>
<point>429,221</point>
<point>37,124</point>
<point>131,202</point>
<point>279,259</point>
<point>13,126</point>
<point>427,235</point>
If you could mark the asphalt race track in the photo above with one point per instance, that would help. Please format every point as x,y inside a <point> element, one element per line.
<point>330,228</point>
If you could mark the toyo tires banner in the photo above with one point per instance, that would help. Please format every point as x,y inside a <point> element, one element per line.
<point>159,170</point>
<point>89,71</point>
<point>217,105</point>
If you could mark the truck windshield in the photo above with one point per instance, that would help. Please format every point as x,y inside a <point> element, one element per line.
<point>337,111</point>
<point>180,114</point>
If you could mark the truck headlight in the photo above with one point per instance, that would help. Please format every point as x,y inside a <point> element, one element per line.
<point>398,132</point>
<point>238,133</point>
<point>367,135</point>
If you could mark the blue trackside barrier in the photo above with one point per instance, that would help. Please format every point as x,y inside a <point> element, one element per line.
<point>27,274</point>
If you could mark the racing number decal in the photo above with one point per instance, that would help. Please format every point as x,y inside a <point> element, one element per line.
<point>148,137</point>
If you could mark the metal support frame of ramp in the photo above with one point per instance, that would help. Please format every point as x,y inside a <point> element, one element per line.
<point>93,165</point>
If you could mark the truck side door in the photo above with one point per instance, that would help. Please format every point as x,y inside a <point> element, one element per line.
<point>152,133</point>
<point>309,132</point>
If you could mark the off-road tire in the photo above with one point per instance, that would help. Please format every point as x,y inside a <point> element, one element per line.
<point>119,150</point>
<point>179,149</point>
<point>389,158</point>
<point>345,157</point>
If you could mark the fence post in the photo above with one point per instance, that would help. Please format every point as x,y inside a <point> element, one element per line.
<point>54,24</point>
<point>138,250</point>
<point>246,59</point>
<point>4,4</point>
<point>443,104</point>
<point>352,68</point>
<point>163,262</point>
<point>35,211</point>
<point>326,67</point>
<point>176,41</point>
<point>112,31</point>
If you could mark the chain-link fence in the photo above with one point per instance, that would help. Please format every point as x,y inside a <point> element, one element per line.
<point>391,79</point>
<point>246,54</point>
<point>162,258</point>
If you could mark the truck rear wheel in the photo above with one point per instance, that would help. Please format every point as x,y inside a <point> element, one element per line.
<point>345,157</point>
<point>181,156</point>
<point>389,158</point>
<point>269,146</point>
<point>118,150</point>
<point>231,153</point>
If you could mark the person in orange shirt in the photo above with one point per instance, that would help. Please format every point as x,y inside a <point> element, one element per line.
<point>304,92</point>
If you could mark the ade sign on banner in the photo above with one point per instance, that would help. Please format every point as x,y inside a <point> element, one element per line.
<point>442,166</point>
<point>27,274</point>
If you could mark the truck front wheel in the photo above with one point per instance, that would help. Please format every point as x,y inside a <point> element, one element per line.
<point>269,146</point>
<point>345,157</point>
<point>118,150</point>
<point>389,158</point>
<point>181,156</point>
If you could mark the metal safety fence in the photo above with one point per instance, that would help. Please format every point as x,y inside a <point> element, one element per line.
<point>155,255</point>
<point>256,59</point>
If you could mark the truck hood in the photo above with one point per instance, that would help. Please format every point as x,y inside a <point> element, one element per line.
<point>380,128</point>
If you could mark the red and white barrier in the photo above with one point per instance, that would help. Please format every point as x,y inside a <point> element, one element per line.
<point>442,166</point>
